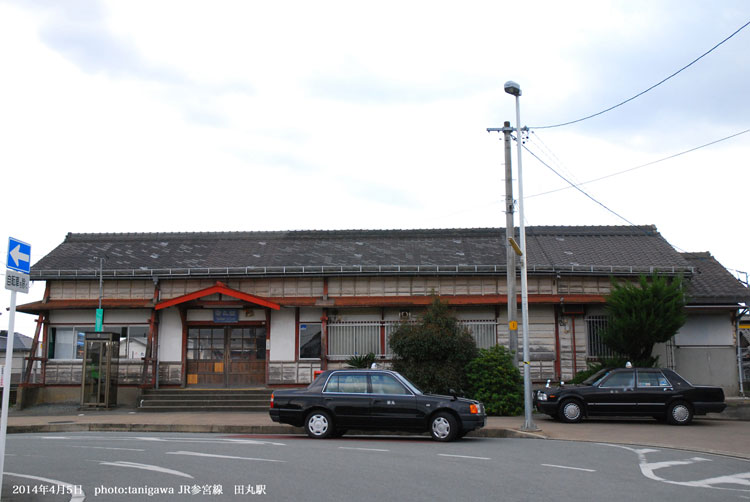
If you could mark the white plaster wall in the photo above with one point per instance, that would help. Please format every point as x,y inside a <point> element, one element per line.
<point>111,317</point>
<point>706,330</point>
<point>282,335</point>
<point>206,315</point>
<point>310,314</point>
<point>709,366</point>
<point>130,316</point>
<point>80,317</point>
<point>170,335</point>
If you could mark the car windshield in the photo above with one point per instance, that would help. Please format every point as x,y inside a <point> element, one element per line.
<point>597,377</point>
<point>410,385</point>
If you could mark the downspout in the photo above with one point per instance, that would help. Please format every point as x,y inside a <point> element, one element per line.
<point>739,349</point>
<point>268,342</point>
<point>558,370</point>
<point>324,340</point>
<point>573,329</point>
<point>155,327</point>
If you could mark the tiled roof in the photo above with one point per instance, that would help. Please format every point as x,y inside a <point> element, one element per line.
<point>21,343</point>
<point>601,250</point>
<point>580,249</point>
<point>712,283</point>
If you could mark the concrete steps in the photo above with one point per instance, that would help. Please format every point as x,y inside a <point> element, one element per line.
<point>244,400</point>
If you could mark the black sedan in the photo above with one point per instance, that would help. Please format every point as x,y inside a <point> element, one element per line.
<point>658,393</point>
<point>339,400</point>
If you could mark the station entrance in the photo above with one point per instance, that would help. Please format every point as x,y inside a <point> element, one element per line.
<point>227,356</point>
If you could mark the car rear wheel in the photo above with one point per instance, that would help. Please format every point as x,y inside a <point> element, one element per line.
<point>571,411</point>
<point>319,425</point>
<point>679,413</point>
<point>444,427</point>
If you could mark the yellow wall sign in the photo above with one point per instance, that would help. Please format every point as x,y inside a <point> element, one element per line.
<point>513,325</point>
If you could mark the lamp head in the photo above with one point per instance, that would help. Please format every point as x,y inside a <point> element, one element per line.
<point>512,88</point>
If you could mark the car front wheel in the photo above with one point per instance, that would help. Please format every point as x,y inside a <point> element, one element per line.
<point>679,413</point>
<point>319,425</point>
<point>571,411</point>
<point>444,427</point>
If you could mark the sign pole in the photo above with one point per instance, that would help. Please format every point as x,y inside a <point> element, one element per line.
<point>6,384</point>
<point>18,266</point>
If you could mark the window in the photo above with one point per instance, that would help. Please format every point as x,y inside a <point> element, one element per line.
<point>348,339</point>
<point>595,324</point>
<point>67,343</point>
<point>620,379</point>
<point>133,341</point>
<point>386,384</point>
<point>309,340</point>
<point>347,383</point>
<point>652,379</point>
<point>351,338</point>
<point>205,344</point>
<point>484,332</point>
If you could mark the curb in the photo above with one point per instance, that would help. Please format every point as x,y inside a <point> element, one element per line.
<point>234,429</point>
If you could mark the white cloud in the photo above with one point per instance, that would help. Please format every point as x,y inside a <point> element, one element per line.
<point>229,115</point>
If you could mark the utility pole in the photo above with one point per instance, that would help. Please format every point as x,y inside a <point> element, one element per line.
<point>510,254</point>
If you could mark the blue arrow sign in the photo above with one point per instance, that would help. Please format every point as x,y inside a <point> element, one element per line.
<point>19,256</point>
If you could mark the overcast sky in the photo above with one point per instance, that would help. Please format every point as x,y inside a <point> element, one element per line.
<point>147,116</point>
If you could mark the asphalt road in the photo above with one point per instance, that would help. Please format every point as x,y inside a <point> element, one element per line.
<point>212,467</point>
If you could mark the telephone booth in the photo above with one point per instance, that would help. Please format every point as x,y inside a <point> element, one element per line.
<point>101,352</point>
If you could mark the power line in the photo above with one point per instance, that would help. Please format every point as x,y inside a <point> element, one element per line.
<point>641,166</point>
<point>645,91</point>
<point>578,188</point>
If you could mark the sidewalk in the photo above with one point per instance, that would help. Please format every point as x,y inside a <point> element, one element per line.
<point>727,437</point>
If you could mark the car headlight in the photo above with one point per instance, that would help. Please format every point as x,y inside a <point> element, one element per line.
<point>541,396</point>
<point>476,409</point>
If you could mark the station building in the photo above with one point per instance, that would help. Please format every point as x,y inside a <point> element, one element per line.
<point>263,309</point>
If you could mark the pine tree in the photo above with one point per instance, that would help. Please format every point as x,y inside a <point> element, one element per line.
<point>643,314</point>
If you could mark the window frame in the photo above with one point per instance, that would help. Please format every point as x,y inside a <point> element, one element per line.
<point>300,345</point>
<point>617,374</point>
<point>660,375</point>
<point>407,391</point>
<point>338,382</point>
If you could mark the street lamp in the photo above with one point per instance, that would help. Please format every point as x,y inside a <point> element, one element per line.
<point>515,89</point>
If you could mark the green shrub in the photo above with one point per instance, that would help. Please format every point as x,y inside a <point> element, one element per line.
<point>361,361</point>
<point>434,352</point>
<point>495,380</point>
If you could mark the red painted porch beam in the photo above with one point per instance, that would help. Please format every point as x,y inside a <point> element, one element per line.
<point>107,303</point>
<point>417,301</point>
<point>220,288</point>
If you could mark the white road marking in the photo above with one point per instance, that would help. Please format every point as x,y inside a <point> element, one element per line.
<point>648,468</point>
<point>78,496</point>
<point>362,449</point>
<point>198,454</point>
<point>463,456</point>
<point>106,448</point>
<point>146,467</point>
<point>568,467</point>
<point>167,440</point>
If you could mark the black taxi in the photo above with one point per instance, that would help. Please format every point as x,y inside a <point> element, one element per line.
<point>341,400</point>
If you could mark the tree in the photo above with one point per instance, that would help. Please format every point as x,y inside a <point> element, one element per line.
<point>642,315</point>
<point>434,352</point>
